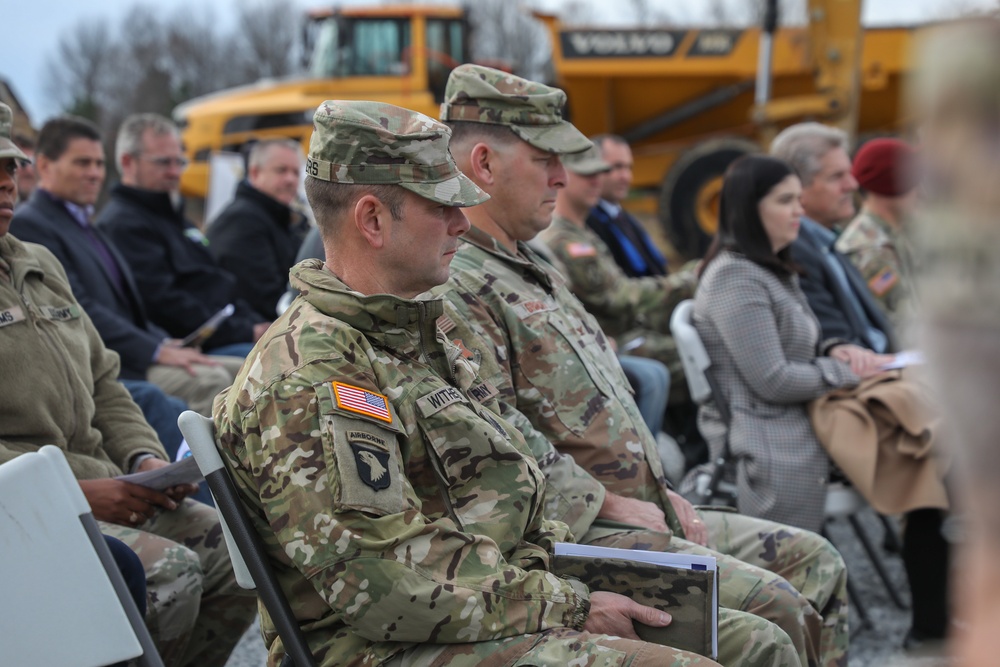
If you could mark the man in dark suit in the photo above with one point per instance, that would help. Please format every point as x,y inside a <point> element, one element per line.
<point>630,245</point>
<point>70,165</point>
<point>836,291</point>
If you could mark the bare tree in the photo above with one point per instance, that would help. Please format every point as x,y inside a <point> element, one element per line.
<point>504,31</point>
<point>76,75</point>
<point>268,36</point>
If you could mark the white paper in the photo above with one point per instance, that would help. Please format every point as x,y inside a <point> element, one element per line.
<point>687,561</point>
<point>182,472</point>
<point>904,359</point>
<point>205,331</point>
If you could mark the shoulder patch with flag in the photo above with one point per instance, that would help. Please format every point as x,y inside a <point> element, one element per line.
<point>578,249</point>
<point>362,401</point>
<point>883,281</point>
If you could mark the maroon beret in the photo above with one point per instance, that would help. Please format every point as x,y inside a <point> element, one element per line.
<point>887,167</point>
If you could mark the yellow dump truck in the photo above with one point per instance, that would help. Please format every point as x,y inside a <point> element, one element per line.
<point>684,98</point>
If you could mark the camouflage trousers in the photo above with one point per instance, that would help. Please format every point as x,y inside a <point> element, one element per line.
<point>794,578</point>
<point>196,612</point>
<point>659,346</point>
<point>762,643</point>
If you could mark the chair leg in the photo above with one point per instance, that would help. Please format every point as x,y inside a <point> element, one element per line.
<point>876,562</point>
<point>892,543</point>
<point>855,599</point>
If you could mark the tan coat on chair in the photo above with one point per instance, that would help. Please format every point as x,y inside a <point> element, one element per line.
<point>883,435</point>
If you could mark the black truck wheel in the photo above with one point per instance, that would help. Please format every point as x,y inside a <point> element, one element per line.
<point>689,196</point>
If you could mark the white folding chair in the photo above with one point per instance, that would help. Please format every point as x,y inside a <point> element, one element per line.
<point>246,550</point>
<point>710,487</point>
<point>63,600</point>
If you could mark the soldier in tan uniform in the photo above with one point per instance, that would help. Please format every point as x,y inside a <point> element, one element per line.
<point>403,514</point>
<point>877,240</point>
<point>556,370</point>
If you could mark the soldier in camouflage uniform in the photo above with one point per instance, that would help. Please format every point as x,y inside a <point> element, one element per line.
<point>556,372</point>
<point>876,241</point>
<point>629,309</point>
<point>402,513</point>
<point>61,388</point>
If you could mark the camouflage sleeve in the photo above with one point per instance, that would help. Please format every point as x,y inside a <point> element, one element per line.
<point>387,570</point>
<point>879,265</point>
<point>621,303</point>
<point>572,495</point>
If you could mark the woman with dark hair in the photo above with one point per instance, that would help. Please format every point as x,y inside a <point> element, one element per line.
<point>764,343</point>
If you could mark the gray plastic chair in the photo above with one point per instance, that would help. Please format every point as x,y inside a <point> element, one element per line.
<point>246,550</point>
<point>63,600</point>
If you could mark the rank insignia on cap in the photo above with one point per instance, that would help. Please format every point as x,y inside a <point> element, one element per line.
<point>373,466</point>
<point>362,401</point>
<point>883,281</point>
<point>581,250</point>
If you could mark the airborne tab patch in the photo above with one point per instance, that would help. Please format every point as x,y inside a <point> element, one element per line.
<point>372,465</point>
<point>362,401</point>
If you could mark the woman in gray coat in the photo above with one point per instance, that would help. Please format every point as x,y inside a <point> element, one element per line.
<point>764,343</point>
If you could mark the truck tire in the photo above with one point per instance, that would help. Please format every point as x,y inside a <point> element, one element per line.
<point>689,196</point>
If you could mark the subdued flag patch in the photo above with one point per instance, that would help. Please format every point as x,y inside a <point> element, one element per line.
<point>883,281</point>
<point>362,401</point>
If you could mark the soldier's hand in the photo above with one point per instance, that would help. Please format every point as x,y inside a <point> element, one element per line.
<point>633,511</point>
<point>694,528</point>
<point>125,504</point>
<point>612,614</point>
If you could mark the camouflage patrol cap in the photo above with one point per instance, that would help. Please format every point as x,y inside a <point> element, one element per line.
<point>374,143</point>
<point>533,111</point>
<point>7,147</point>
<point>587,163</point>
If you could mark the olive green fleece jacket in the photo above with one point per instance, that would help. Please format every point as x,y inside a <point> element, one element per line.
<point>58,383</point>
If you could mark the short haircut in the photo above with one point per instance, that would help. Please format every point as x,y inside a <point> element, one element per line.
<point>747,182</point>
<point>331,201</point>
<point>600,139</point>
<point>464,131</point>
<point>803,146</point>
<point>129,141</point>
<point>259,150</point>
<point>55,135</point>
<point>23,141</point>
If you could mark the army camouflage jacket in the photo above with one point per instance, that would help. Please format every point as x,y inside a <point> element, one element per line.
<point>884,257</point>
<point>395,503</point>
<point>557,367</point>
<point>619,303</point>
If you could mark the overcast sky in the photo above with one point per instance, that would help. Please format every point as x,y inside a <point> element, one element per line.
<point>32,28</point>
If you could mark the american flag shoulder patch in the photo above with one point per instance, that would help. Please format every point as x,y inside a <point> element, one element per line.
<point>883,281</point>
<point>578,249</point>
<point>362,401</point>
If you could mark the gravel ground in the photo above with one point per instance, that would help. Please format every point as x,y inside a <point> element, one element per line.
<point>875,646</point>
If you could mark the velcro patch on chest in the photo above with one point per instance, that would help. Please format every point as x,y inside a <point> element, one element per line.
<point>60,313</point>
<point>11,315</point>
<point>483,392</point>
<point>526,309</point>
<point>438,400</point>
<point>361,401</point>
